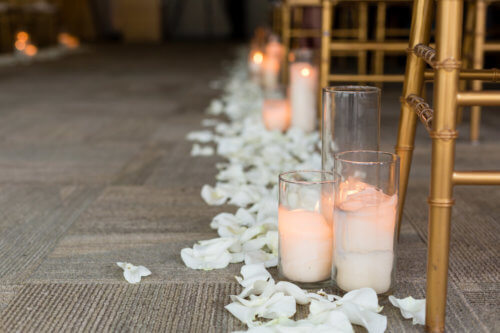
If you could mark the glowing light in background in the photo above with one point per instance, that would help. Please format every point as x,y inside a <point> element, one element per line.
<point>68,40</point>
<point>31,50</point>
<point>305,72</point>
<point>20,45</point>
<point>258,57</point>
<point>22,36</point>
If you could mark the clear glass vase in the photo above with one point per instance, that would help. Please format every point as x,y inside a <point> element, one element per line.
<point>366,201</point>
<point>350,121</point>
<point>305,227</point>
<point>304,90</point>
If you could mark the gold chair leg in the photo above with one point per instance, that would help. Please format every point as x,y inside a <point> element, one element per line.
<point>285,36</point>
<point>479,36</point>
<point>378,59</point>
<point>362,36</point>
<point>297,20</point>
<point>448,43</point>
<point>414,79</point>
<point>467,50</point>
<point>326,27</point>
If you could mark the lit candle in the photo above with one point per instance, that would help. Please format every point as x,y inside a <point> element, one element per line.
<point>364,237</point>
<point>255,65</point>
<point>274,49</point>
<point>276,114</point>
<point>303,84</point>
<point>270,73</point>
<point>305,245</point>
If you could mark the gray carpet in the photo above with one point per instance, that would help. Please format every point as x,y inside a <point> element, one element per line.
<point>94,169</point>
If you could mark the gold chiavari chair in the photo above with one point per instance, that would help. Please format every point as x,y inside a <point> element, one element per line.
<point>331,47</point>
<point>475,47</point>
<point>288,33</point>
<point>441,124</point>
<point>291,30</point>
<point>276,18</point>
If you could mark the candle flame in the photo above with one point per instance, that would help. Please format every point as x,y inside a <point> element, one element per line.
<point>22,36</point>
<point>31,50</point>
<point>68,40</point>
<point>20,45</point>
<point>305,72</point>
<point>258,57</point>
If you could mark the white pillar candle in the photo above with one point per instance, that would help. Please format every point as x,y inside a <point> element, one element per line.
<point>255,65</point>
<point>364,239</point>
<point>303,95</point>
<point>275,50</point>
<point>276,114</point>
<point>305,245</point>
<point>270,73</point>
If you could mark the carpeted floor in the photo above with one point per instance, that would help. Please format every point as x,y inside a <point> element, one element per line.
<point>95,168</point>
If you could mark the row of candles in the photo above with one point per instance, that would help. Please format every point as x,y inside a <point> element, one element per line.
<point>335,224</point>
<point>299,109</point>
<point>25,47</point>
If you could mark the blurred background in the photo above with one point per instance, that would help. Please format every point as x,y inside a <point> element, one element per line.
<point>161,21</point>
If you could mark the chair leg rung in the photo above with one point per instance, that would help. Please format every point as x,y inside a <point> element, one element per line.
<point>476,177</point>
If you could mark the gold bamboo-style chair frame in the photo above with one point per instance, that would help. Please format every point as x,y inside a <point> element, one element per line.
<point>359,33</point>
<point>474,48</point>
<point>380,46</point>
<point>441,125</point>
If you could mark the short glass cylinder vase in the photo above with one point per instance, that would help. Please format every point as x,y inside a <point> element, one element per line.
<point>350,121</point>
<point>305,227</point>
<point>366,202</point>
<point>276,114</point>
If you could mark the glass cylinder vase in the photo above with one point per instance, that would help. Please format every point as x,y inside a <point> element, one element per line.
<point>303,90</point>
<point>350,121</point>
<point>366,201</point>
<point>305,227</point>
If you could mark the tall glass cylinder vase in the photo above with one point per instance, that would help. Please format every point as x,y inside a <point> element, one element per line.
<point>366,201</point>
<point>350,121</point>
<point>303,90</point>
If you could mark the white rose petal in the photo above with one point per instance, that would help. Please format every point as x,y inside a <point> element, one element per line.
<point>259,256</point>
<point>233,173</point>
<point>242,312</point>
<point>372,321</point>
<point>210,122</point>
<point>277,306</point>
<point>272,241</point>
<point>201,136</point>
<point>245,196</point>
<point>213,196</point>
<point>252,273</point>
<point>208,254</point>
<point>133,274</point>
<point>254,244</point>
<point>365,297</point>
<point>293,290</point>
<point>198,150</point>
<point>410,308</point>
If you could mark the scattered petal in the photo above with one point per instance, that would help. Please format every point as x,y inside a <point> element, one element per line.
<point>198,150</point>
<point>213,196</point>
<point>133,274</point>
<point>259,256</point>
<point>208,254</point>
<point>252,273</point>
<point>410,308</point>
<point>201,136</point>
<point>293,290</point>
